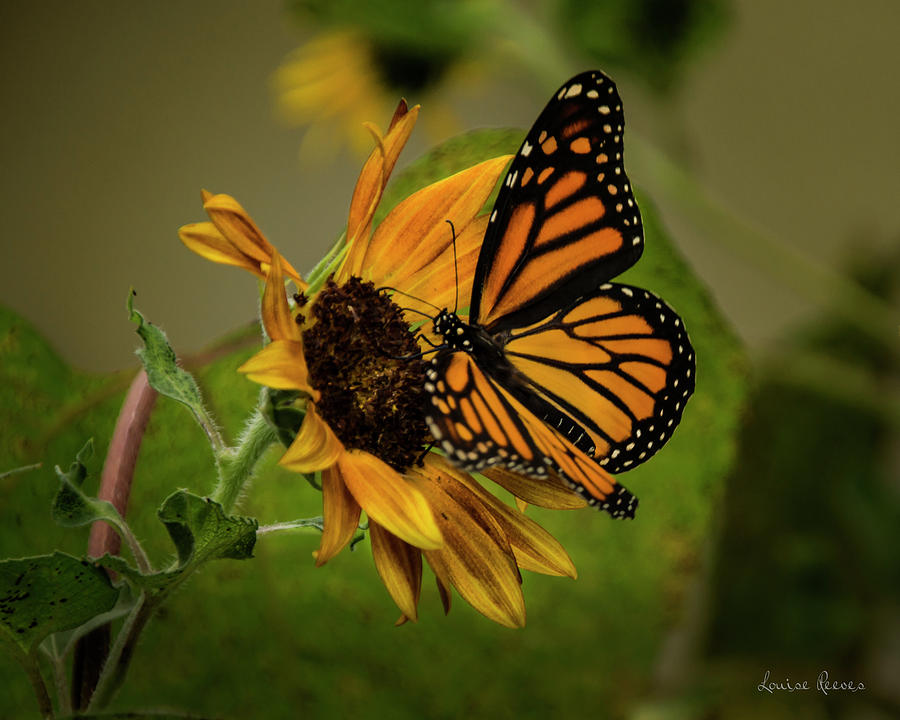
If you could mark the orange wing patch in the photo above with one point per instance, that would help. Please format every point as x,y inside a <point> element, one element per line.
<point>570,219</point>
<point>565,187</point>
<point>580,146</point>
<point>512,248</point>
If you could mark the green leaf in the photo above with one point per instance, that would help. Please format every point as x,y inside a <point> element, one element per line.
<point>60,644</point>
<point>282,412</point>
<point>166,376</point>
<point>50,593</point>
<point>71,506</point>
<point>201,531</point>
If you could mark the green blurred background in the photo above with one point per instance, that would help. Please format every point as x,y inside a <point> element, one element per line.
<point>765,135</point>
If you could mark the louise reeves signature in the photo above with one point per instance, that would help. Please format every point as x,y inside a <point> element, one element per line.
<point>823,685</point>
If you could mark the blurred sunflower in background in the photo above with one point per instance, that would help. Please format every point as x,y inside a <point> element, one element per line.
<point>361,55</point>
<point>346,356</point>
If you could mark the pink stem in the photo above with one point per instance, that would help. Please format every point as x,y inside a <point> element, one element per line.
<point>92,650</point>
<point>121,458</point>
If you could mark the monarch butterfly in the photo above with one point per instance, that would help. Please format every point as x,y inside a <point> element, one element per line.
<point>558,370</point>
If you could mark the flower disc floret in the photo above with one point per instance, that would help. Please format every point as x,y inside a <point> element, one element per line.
<point>362,358</point>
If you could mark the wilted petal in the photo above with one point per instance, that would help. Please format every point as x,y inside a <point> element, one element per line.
<point>316,447</point>
<point>276,315</point>
<point>415,233</point>
<point>535,549</point>
<point>280,365</point>
<point>371,183</point>
<point>205,239</point>
<point>400,567</point>
<point>389,499</point>
<point>476,557</point>
<point>549,492</point>
<point>239,229</point>
<point>340,516</point>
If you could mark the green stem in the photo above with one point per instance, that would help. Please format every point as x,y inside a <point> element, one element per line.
<point>63,694</point>
<point>237,464</point>
<point>33,670</point>
<point>140,556</point>
<point>119,657</point>
<point>24,468</point>
<point>313,522</point>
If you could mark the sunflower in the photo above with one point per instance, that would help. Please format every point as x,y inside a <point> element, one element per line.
<point>346,349</point>
<point>343,76</point>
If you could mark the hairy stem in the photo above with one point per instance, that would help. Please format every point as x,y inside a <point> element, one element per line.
<point>119,658</point>
<point>238,463</point>
<point>61,681</point>
<point>313,522</point>
<point>33,670</point>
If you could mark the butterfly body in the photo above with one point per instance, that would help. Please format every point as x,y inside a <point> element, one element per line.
<point>556,369</point>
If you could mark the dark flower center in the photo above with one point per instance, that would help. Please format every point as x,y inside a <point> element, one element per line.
<point>371,395</point>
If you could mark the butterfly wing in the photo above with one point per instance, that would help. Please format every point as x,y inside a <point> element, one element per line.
<point>479,423</point>
<point>613,371</point>
<point>565,219</point>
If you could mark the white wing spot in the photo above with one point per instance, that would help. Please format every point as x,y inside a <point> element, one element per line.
<point>526,149</point>
<point>573,91</point>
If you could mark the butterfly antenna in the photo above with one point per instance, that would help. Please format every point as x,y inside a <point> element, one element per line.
<point>418,312</point>
<point>413,297</point>
<point>455,266</point>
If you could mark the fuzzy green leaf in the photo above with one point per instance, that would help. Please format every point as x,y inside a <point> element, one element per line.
<point>201,531</point>
<point>71,506</point>
<point>165,375</point>
<point>50,593</point>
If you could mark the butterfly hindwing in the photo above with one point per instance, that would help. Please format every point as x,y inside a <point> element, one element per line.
<point>617,365</point>
<point>479,423</point>
<point>565,219</point>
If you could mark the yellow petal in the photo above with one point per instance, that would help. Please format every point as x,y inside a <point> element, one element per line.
<point>415,232</point>
<point>534,548</point>
<point>389,499</point>
<point>444,283</point>
<point>400,568</point>
<point>281,365</point>
<point>239,229</point>
<point>236,225</point>
<point>371,183</point>
<point>206,240</point>
<point>476,557</point>
<point>340,516</point>
<point>549,492</point>
<point>316,447</point>
<point>276,315</point>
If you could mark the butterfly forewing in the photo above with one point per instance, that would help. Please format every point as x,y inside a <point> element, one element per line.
<point>565,219</point>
